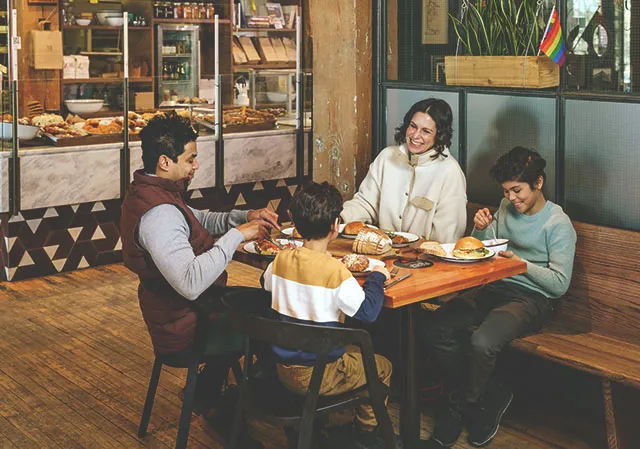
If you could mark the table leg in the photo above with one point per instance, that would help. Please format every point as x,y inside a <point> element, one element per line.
<point>410,408</point>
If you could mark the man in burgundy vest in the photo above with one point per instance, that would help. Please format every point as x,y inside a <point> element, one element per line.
<point>170,246</point>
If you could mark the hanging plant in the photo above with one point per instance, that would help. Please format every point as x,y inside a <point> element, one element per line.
<point>499,27</point>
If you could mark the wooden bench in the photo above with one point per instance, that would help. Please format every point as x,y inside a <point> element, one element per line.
<point>597,325</point>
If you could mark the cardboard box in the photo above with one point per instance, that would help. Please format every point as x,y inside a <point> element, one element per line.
<point>143,100</point>
<point>45,49</point>
<point>267,53</point>
<point>290,47</point>
<point>278,47</point>
<point>249,49</point>
<point>239,56</point>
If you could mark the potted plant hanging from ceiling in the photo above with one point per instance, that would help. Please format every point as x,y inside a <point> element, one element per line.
<point>500,42</point>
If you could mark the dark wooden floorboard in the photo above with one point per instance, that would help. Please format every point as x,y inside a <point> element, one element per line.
<point>75,360</point>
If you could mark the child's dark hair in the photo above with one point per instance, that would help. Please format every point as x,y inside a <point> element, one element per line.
<point>440,112</point>
<point>314,208</point>
<point>165,134</point>
<point>520,165</point>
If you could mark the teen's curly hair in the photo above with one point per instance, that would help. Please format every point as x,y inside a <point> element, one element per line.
<point>440,112</point>
<point>165,134</point>
<point>520,165</point>
<point>314,208</point>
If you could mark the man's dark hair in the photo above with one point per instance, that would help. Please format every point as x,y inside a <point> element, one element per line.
<point>165,134</point>
<point>314,208</point>
<point>519,165</point>
<point>440,112</point>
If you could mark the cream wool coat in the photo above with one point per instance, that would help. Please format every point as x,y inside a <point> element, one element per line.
<point>412,193</point>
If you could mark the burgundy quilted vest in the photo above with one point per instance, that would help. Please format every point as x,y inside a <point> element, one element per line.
<point>169,316</point>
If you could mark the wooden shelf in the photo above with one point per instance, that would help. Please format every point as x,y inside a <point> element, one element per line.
<point>103,27</point>
<point>191,21</point>
<point>144,79</point>
<point>264,30</point>
<point>267,66</point>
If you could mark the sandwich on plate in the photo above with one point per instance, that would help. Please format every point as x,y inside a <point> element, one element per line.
<point>469,248</point>
<point>432,247</point>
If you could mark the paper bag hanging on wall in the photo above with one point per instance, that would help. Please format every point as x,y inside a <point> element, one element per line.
<point>45,49</point>
<point>435,22</point>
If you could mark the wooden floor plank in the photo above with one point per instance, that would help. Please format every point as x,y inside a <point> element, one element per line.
<point>76,360</point>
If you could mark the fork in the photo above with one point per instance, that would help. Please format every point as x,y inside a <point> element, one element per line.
<point>275,242</point>
<point>394,271</point>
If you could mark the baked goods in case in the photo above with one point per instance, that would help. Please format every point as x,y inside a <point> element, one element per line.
<point>355,262</point>
<point>432,247</point>
<point>354,227</point>
<point>469,248</point>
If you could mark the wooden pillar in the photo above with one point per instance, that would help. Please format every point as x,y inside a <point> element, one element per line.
<point>342,84</point>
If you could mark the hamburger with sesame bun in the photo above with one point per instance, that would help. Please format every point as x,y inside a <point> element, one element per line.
<point>469,248</point>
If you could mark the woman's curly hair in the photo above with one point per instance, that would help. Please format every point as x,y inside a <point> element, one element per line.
<point>440,112</point>
<point>520,165</point>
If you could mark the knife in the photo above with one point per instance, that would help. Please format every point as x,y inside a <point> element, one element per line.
<point>394,282</point>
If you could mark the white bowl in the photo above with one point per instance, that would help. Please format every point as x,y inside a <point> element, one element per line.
<point>496,245</point>
<point>114,21</point>
<point>84,106</point>
<point>25,132</point>
<point>102,15</point>
<point>276,97</point>
<point>83,22</point>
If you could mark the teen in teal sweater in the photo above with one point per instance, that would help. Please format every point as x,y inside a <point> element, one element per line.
<point>467,333</point>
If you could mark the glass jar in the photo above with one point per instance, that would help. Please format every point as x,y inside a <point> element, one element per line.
<point>202,11</point>
<point>168,10</point>
<point>178,10</point>
<point>188,11</point>
<point>158,12</point>
<point>211,11</point>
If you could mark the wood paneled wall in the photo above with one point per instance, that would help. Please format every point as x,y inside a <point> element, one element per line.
<point>342,78</point>
<point>40,85</point>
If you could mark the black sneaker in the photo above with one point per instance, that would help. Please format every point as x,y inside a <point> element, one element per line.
<point>484,418</point>
<point>372,440</point>
<point>449,420</point>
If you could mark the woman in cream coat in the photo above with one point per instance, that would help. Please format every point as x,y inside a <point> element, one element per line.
<point>416,186</point>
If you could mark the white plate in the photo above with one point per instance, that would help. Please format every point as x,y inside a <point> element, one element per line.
<point>372,264</point>
<point>351,236</point>
<point>407,235</point>
<point>250,246</point>
<point>448,247</point>
<point>289,233</point>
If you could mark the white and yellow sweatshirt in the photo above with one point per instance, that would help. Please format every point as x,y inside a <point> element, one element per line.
<point>412,193</point>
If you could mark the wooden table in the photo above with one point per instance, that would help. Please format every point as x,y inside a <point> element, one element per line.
<point>440,279</point>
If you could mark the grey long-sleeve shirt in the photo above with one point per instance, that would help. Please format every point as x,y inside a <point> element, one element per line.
<point>164,233</point>
<point>546,241</point>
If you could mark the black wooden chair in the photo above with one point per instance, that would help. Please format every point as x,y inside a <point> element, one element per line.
<point>190,360</point>
<point>266,399</point>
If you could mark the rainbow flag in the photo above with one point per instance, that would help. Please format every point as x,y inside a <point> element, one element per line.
<point>552,42</point>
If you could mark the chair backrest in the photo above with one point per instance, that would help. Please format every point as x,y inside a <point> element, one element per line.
<point>251,314</point>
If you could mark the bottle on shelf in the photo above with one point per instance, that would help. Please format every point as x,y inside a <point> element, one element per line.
<point>211,11</point>
<point>188,11</point>
<point>202,11</point>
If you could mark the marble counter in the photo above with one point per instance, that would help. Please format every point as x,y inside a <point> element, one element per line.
<point>54,176</point>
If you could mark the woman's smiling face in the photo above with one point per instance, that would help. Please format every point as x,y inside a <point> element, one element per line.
<point>421,133</point>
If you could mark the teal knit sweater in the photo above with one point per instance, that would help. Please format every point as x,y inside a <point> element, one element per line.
<point>546,241</point>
